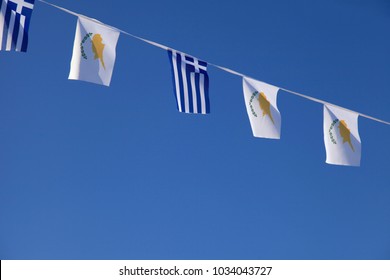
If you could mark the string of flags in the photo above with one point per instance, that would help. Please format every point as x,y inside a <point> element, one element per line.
<point>93,61</point>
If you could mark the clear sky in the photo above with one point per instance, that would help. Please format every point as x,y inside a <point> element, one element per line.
<point>94,172</point>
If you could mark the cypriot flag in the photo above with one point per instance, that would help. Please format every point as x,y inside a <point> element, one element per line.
<point>260,101</point>
<point>341,136</point>
<point>93,52</point>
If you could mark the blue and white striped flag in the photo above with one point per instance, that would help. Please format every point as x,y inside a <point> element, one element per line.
<point>191,83</point>
<point>15,18</point>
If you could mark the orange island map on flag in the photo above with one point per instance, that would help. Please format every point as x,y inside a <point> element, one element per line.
<point>98,48</point>
<point>93,52</point>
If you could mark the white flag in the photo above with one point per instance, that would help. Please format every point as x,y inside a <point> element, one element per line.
<point>260,101</point>
<point>93,52</point>
<point>341,136</point>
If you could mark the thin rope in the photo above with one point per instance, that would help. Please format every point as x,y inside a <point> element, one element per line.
<point>302,95</point>
<point>215,65</point>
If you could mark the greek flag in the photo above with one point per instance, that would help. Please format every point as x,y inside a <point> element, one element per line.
<point>191,83</point>
<point>15,18</point>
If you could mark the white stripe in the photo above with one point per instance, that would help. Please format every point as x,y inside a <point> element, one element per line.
<point>10,31</point>
<point>185,84</point>
<point>21,31</point>
<point>194,100</point>
<point>174,63</point>
<point>2,18</point>
<point>202,95</point>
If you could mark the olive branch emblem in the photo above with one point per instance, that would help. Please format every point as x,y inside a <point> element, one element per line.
<point>330,131</point>
<point>251,101</point>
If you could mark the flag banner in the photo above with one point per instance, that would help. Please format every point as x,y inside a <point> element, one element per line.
<point>264,116</point>
<point>94,53</point>
<point>341,136</point>
<point>15,18</point>
<point>191,83</point>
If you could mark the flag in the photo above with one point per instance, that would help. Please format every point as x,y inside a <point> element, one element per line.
<point>191,83</point>
<point>263,113</point>
<point>94,53</point>
<point>341,136</point>
<point>15,18</point>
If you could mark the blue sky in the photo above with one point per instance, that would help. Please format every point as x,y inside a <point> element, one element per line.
<point>94,172</point>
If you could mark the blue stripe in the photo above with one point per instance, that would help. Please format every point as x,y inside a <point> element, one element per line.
<point>206,86</point>
<point>25,35</point>
<point>197,86</point>
<point>27,13</point>
<point>173,75</point>
<point>181,84</point>
<point>15,32</point>
<point>189,88</point>
<point>206,91</point>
